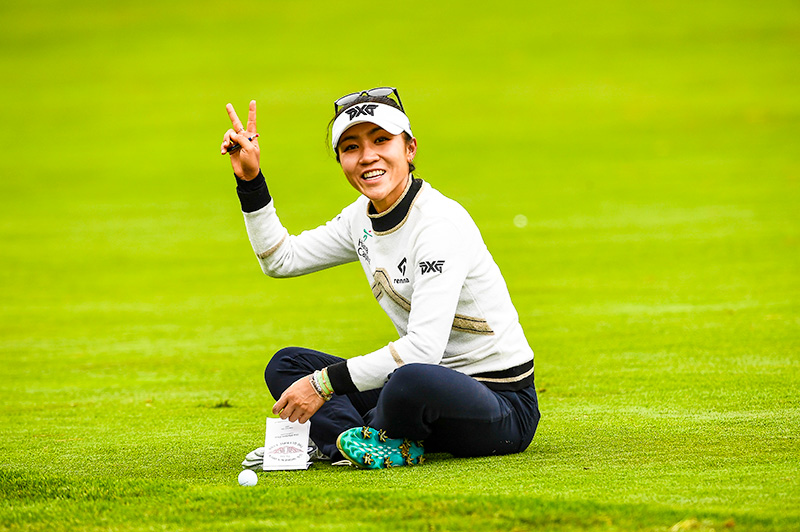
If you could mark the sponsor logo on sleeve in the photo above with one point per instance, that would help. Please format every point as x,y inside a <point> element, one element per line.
<point>362,250</point>
<point>431,266</point>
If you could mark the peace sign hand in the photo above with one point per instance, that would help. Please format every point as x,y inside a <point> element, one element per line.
<point>242,145</point>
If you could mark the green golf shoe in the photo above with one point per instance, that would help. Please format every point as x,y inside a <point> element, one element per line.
<point>369,448</point>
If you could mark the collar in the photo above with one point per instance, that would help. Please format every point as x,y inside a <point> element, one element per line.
<point>395,216</point>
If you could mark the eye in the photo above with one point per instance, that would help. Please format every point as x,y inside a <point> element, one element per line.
<point>381,139</point>
<point>348,147</point>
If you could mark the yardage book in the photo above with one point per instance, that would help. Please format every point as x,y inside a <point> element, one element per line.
<point>286,445</point>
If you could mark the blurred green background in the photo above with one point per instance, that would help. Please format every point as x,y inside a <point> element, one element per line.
<point>647,150</point>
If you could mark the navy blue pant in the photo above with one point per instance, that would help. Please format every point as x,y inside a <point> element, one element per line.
<point>451,412</point>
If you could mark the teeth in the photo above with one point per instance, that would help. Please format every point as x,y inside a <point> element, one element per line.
<point>373,173</point>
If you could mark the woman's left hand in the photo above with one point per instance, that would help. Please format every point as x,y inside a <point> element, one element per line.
<point>299,402</point>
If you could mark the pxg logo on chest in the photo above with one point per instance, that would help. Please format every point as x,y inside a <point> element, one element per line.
<point>358,110</point>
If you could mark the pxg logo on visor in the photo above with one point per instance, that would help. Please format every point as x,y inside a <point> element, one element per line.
<point>357,110</point>
<point>393,120</point>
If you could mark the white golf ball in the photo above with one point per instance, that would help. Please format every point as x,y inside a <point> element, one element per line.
<point>248,477</point>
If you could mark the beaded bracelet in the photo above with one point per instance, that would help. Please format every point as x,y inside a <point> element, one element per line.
<point>316,382</point>
<point>326,390</point>
<point>316,387</point>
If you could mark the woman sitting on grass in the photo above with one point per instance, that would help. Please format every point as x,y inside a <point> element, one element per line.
<point>459,379</point>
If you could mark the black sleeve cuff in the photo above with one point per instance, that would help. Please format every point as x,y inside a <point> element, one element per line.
<point>340,379</point>
<point>254,194</point>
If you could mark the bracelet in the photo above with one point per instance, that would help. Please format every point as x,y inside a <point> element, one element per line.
<point>326,389</point>
<point>325,382</point>
<point>317,388</point>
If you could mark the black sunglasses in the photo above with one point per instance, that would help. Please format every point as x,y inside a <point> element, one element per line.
<point>377,91</point>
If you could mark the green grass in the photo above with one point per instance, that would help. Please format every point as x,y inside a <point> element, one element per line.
<point>652,148</point>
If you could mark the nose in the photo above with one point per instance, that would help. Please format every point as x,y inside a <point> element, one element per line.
<point>368,155</point>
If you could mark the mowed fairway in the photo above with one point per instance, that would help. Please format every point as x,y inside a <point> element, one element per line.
<point>648,153</point>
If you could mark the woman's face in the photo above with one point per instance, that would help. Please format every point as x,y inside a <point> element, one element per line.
<point>376,162</point>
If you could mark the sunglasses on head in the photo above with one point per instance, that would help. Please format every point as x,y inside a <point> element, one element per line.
<point>377,91</point>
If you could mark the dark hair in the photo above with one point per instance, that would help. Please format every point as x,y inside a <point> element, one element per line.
<point>363,99</point>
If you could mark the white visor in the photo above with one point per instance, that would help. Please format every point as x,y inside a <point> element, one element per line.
<point>393,120</point>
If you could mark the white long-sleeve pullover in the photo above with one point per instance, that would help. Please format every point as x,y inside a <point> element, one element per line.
<point>430,271</point>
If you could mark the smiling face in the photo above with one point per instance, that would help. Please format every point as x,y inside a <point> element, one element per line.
<point>376,162</point>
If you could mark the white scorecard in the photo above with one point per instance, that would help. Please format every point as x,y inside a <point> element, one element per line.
<point>286,445</point>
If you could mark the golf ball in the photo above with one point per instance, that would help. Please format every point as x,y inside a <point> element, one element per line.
<point>248,478</point>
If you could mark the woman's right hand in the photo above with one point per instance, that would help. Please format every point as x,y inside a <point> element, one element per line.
<point>298,402</point>
<point>245,161</point>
